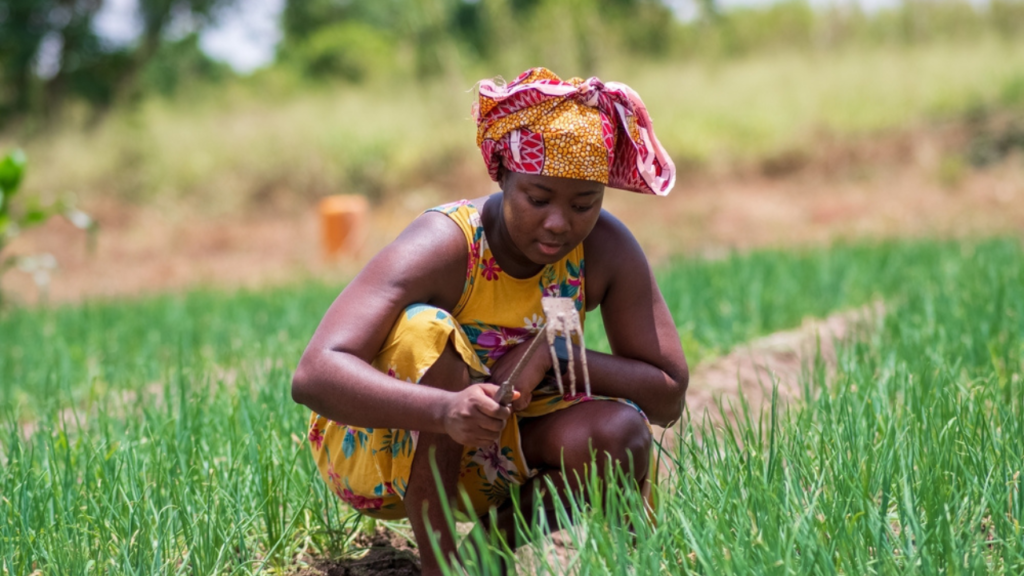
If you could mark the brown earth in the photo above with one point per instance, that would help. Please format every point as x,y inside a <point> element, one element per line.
<point>383,553</point>
<point>908,185</point>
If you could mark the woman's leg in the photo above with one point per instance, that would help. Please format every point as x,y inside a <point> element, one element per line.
<point>450,373</point>
<point>616,432</point>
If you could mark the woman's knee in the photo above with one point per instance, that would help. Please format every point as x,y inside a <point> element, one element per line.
<point>623,437</point>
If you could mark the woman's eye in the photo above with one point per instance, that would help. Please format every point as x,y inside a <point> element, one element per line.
<point>537,202</point>
<point>582,208</point>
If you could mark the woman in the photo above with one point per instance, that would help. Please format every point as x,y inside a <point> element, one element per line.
<point>405,364</point>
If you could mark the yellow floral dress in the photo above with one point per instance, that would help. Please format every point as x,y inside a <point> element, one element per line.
<point>369,467</point>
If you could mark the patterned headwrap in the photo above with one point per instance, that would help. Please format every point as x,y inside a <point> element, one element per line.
<point>585,129</point>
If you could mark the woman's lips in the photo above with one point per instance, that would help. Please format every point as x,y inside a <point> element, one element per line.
<point>549,249</point>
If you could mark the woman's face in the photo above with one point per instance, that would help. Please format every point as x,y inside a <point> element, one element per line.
<point>547,216</point>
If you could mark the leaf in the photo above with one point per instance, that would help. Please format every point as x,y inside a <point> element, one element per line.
<point>348,445</point>
<point>34,217</point>
<point>12,169</point>
<point>472,332</point>
<point>572,269</point>
<point>37,213</point>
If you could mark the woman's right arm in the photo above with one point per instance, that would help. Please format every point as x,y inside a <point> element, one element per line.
<point>334,378</point>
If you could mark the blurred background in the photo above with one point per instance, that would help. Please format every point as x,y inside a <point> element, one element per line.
<point>200,134</point>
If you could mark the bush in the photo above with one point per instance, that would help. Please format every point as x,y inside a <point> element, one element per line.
<point>33,213</point>
<point>349,50</point>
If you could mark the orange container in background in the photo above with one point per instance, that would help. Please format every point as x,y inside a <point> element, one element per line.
<point>342,224</point>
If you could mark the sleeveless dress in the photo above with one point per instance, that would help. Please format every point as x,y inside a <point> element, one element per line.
<point>369,468</point>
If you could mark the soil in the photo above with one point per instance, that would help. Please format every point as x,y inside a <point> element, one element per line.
<point>384,553</point>
<point>775,363</point>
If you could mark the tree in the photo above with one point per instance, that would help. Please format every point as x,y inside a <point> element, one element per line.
<point>83,64</point>
<point>441,32</point>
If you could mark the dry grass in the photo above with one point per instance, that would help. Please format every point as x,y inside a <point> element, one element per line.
<point>145,250</point>
<point>260,146</point>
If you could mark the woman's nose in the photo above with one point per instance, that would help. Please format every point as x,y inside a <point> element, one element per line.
<point>555,222</point>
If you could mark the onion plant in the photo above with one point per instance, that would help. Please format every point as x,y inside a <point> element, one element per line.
<point>157,436</point>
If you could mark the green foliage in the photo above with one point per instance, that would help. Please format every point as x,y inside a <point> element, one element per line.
<point>30,212</point>
<point>12,170</point>
<point>351,51</point>
<point>580,37</point>
<point>178,64</point>
<point>444,36</point>
<point>87,67</point>
<point>908,459</point>
<point>156,436</point>
<point>354,40</point>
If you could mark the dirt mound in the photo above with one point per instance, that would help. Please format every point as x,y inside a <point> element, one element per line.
<point>383,553</point>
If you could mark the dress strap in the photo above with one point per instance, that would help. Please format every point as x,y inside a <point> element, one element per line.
<point>465,214</point>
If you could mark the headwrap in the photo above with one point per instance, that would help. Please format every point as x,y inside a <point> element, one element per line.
<point>585,129</point>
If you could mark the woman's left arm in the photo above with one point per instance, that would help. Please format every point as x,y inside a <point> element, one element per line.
<point>647,364</point>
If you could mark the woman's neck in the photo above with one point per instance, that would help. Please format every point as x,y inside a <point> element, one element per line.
<point>509,258</point>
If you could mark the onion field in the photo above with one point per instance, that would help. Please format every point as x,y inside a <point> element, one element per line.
<point>158,436</point>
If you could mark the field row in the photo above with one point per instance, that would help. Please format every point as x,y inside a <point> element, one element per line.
<point>158,436</point>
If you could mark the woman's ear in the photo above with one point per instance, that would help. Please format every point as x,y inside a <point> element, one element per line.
<point>502,175</point>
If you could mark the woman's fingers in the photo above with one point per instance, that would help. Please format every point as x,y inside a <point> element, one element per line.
<point>488,406</point>
<point>474,418</point>
<point>491,424</point>
<point>521,401</point>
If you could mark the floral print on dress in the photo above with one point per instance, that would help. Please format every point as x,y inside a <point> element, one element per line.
<point>569,285</point>
<point>490,269</point>
<point>533,323</point>
<point>359,502</point>
<point>316,437</point>
<point>493,342</point>
<point>495,462</point>
<point>354,437</point>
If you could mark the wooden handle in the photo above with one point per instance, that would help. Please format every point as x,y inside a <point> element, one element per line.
<point>505,390</point>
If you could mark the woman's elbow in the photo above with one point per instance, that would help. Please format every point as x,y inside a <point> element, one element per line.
<point>682,384</point>
<point>677,397</point>
<point>302,382</point>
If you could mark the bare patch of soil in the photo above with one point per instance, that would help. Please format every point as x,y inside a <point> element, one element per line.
<point>383,553</point>
<point>778,361</point>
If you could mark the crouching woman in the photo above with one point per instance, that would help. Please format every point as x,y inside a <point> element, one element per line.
<point>407,359</point>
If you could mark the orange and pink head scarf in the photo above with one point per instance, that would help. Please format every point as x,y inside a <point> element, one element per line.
<point>585,129</point>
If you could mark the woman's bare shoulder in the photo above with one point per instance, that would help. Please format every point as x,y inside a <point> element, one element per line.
<point>610,251</point>
<point>427,261</point>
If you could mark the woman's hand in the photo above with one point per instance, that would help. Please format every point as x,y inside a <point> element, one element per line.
<point>531,376</point>
<point>474,418</point>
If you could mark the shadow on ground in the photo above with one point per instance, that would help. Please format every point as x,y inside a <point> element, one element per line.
<point>384,553</point>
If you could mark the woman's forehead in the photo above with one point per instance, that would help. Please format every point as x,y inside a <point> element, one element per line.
<point>558,185</point>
